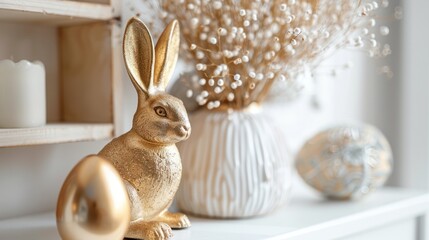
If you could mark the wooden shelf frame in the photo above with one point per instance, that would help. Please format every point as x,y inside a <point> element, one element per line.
<point>89,80</point>
<point>55,133</point>
<point>56,12</point>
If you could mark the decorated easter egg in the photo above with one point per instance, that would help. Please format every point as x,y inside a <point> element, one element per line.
<point>93,202</point>
<point>345,162</point>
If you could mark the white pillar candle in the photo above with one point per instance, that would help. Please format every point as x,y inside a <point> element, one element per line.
<point>22,94</point>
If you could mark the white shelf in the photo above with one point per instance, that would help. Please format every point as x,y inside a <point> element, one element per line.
<point>54,12</point>
<point>308,216</point>
<point>54,133</point>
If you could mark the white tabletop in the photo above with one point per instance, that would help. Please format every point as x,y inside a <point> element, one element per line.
<point>308,216</point>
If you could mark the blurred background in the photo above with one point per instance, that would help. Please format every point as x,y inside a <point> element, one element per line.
<point>30,177</point>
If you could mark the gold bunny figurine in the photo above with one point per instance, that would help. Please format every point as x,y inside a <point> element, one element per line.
<point>146,157</point>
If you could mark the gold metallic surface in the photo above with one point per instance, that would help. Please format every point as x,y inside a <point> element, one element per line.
<point>93,202</point>
<point>167,51</point>
<point>146,157</point>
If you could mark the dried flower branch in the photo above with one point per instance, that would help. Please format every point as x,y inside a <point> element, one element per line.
<point>240,48</point>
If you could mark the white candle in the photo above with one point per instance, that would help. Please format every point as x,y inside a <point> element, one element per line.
<point>22,94</point>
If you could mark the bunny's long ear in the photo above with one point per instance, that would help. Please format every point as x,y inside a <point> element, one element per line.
<point>167,51</point>
<point>139,55</point>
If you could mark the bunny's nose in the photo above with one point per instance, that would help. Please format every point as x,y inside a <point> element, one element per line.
<point>185,130</point>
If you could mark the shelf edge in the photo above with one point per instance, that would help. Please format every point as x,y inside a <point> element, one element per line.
<point>55,133</point>
<point>69,9</point>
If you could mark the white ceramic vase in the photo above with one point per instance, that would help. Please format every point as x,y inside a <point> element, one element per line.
<point>235,165</point>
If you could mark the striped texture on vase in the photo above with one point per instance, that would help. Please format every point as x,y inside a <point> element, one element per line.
<point>234,165</point>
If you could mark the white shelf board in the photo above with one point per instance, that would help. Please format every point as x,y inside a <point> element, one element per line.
<point>308,216</point>
<point>54,12</point>
<point>54,133</point>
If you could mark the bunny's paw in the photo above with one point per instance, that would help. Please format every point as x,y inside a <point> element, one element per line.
<point>149,230</point>
<point>175,220</point>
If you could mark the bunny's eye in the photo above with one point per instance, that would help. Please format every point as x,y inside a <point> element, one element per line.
<point>160,111</point>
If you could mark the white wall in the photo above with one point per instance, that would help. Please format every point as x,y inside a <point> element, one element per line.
<point>415,96</point>
<point>340,100</point>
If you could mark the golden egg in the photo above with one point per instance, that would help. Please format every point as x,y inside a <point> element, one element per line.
<point>93,202</point>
